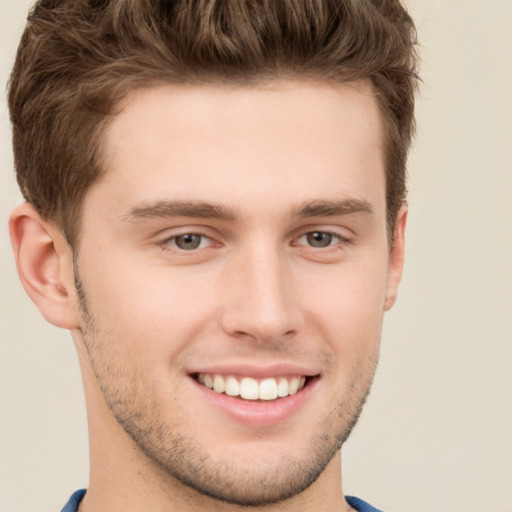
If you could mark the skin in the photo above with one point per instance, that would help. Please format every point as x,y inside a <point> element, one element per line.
<point>145,314</point>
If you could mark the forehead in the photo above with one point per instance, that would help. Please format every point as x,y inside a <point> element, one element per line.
<point>281,141</point>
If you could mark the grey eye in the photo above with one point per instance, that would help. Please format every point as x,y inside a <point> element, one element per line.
<point>319,239</point>
<point>188,241</point>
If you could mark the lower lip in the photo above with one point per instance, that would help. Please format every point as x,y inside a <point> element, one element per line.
<point>258,413</point>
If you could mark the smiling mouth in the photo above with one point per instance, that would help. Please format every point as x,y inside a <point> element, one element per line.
<point>248,388</point>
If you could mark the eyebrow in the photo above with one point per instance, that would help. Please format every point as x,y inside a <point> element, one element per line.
<point>203,210</point>
<point>332,208</point>
<point>197,209</point>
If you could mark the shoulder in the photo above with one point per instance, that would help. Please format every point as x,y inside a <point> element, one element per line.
<point>360,505</point>
<point>74,501</point>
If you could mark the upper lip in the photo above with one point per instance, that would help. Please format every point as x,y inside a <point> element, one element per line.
<point>259,371</point>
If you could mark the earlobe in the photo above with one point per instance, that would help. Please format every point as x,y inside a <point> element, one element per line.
<point>396,259</point>
<point>45,266</point>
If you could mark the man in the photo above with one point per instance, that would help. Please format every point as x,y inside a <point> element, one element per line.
<point>215,208</point>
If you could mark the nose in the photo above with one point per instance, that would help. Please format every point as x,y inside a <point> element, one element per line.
<point>260,299</point>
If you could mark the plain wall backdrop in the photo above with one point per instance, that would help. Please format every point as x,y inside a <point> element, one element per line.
<point>436,434</point>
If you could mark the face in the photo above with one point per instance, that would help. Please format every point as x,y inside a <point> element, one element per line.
<point>233,271</point>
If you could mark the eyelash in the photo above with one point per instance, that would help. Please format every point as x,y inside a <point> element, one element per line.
<point>169,243</point>
<point>340,238</point>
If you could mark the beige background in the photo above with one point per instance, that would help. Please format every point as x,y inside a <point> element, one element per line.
<point>437,431</point>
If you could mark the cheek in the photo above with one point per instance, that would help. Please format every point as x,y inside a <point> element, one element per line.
<point>351,290</point>
<point>347,306</point>
<point>154,310</point>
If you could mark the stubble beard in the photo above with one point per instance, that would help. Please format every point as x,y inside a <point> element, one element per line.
<point>174,454</point>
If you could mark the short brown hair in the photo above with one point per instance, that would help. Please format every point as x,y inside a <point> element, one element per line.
<point>79,58</point>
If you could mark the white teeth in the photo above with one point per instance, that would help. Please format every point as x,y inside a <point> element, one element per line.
<point>250,389</point>
<point>293,386</point>
<point>232,386</point>
<point>282,387</point>
<point>218,384</point>
<point>208,381</point>
<point>268,389</point>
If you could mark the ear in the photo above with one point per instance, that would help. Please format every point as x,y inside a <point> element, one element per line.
<point>396,259</point>
<point>44,261</point>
